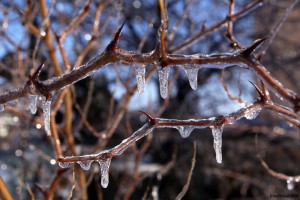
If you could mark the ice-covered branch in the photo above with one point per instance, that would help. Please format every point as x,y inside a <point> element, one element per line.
<point>185,127</point>
<point>190,63</point>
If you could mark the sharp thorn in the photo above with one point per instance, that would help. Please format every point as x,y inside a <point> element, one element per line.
<point>38,70</point>
<point>249,50</point>
<point>265,90</point>
<point>113,44</point>
<point>262,97</point>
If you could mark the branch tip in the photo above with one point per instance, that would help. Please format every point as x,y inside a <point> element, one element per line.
<point>153,121</point>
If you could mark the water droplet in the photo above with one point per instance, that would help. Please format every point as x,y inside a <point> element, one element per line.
<point>64,164</point>
<point>163,75</point>
<point>217,135</point>
<point>52,161</point>
<point>253,115</point>
<point>192,74</point>
<point>85,165</point>
<point>290,184</point>
<point>104,168</point>
<point>185,131</point>
<point>33,103</point>
<point>140,71</point>
<point>46,104</point>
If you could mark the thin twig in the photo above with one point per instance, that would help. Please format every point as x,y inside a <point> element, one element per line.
<point>186,186</point>
<point>272,172</point>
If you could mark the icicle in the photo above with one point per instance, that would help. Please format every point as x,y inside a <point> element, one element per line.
<point>33,103</point>
<point>140,71</point>
<point>85,165</point>
<point>192,74</point>
<point>252,115</point>
<point>217,134</point>
<point>104,168</point>
<point>47,110</point>
<point>290,184</point>
<point>1,107</point>
<point>64,164</point>
<point>185,131</point>
<point>163,75</point>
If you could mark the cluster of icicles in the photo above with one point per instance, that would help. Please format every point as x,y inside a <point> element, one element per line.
<point>30,103</point>
<point>163,75</point>
<point>86,165</point>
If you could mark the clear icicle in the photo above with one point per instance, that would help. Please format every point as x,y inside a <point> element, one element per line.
<point>290,184</point>
<point>1,107</point>
<point>64,164</point>
<point>46,104</point>
<point>192,74</point>
<point>33,103</point>
<point>217,134</point>
<point>163,75</point>
<point>85,165</point>
<point>185,131</point>
<point>104,167</point>
<point>140,71</point>
<point>252,115</point>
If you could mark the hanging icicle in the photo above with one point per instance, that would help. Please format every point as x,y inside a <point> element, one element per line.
<point>163,75</point>
<point>217,135</point>
<point>140,71</point>
<point>104,168</point>
<point>192,74</point>
<point>46,105</point>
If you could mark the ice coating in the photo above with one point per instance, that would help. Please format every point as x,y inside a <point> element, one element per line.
<point>252,115</point>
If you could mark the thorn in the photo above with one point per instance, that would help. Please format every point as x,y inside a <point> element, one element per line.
<point>265,90</point>
<point>262,96</point>
<point>249,50</point>
<point>113,44</point>
<point>153,121</point>
<point>38,70</point>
